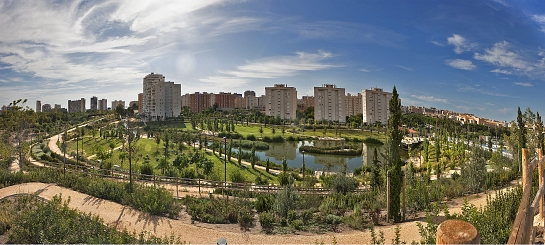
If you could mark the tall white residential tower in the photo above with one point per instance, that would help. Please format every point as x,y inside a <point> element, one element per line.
<point>329,103</point>
<point>375,105</point>
<point>281,100</point>
<point>161,99</point>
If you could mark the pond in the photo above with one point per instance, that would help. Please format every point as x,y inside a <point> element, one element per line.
<point>326,162</point>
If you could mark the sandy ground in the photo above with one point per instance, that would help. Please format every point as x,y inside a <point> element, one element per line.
<point>123,217</point>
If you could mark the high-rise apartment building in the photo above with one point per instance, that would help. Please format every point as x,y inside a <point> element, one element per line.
<point>200,101</point>
<point>102,105</point>
<point>47,108</point>
<point>249,93</point>
<point>94,103</point>
<point>281,100</point>
<point>76,105</point>
<point>329,104</point>
<point>140,101</point>
<point>375,105</point>
<point>38,106</point>
<point>115,103</point>
<point>305,102</point>
<point>160,99</point>
<point>354,104</point>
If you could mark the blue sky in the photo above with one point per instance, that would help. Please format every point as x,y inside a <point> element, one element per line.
<point>480,57</point>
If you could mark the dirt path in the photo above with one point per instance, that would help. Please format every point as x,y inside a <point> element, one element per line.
<point>121,217</point>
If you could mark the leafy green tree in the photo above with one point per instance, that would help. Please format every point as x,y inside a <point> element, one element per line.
<point>539,130</point>
<point>17,125</point>
<point>395,135</point>
<point>473,172</point>
<point>163,164</point>
<point>239,156</point>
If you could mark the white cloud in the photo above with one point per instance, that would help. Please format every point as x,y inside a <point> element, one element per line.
<point>501,71</point>
<point>467,88</point>
<point>506,110</point>
<point>500,55</point>
<point>460,44</point>
<point>405,68</point>
<point>430,99</point>
<point>461,64</point>
<point>523,84</point>
<point>438,43</point>
<point>365,70</point>
<point>273,67</point>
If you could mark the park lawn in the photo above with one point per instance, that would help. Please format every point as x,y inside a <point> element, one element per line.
<point>90,145</point>
<point>267,131</point>
<point>232,166</point>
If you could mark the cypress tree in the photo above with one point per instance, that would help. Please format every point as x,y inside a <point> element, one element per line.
<point>395,135</point>
<point>522,137</point>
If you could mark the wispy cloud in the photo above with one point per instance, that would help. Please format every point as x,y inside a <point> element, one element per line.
<point>273,67</point>
<point>430,99</point>
<point>540,20</point>
<point>500,55</point>
<point>523,84</point>
<point>405,68</point>
<point>460,44</point>
<point>467,88</point>
<point>436,43</point>
<point>461,64</point>
<point>506,110</point>
<point>501,71</point>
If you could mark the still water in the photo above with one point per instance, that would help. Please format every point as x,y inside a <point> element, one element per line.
<point>294,158</point>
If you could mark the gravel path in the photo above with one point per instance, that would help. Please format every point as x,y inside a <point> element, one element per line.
<point>123,217</point>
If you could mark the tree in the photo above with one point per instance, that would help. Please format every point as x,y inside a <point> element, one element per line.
<point>119,110</point>
<point>376,180</point>
<point>252,156</point>
<point>395,135</point>
<point>239,156</point>
<point>17,124</point>
<point>539,130</point>
<point>163,164</point>
<point>473,172</point>
<point>521,136</point>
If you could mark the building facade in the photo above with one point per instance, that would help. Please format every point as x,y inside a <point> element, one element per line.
<point>354,104</point>
<point>375,105</point>
<point>281,101</point>
<point>38,106</point>
<point>94,103</point>
<point>329,104</point>
<point>160,99</point>
<point>102,105</point>
<point>76,105</point>
<point>115,103</point>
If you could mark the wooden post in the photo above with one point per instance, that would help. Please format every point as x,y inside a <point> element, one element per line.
<point>524,166</point>
<point>388,196</point>
<point>455,231</point>
<point>540,169</point>
<point>177,180</point>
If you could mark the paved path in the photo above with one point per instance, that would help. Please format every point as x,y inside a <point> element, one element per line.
<point>123,217</point>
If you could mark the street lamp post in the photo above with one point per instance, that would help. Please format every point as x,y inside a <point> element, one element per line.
<point>303,164</point>
<point>225,162</point>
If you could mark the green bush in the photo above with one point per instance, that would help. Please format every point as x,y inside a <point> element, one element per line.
<point>40,222</point>
<point>297,224</point>
<point>146,169</point>
<point>266,219</point>
<point>251,137</point>
<point>292,215</point>
<point>356,220</point>
<point>333,220</point>
<point>245,219</point>
<point>237,177</point>
<point>341,183</point>
<point>264,203</point>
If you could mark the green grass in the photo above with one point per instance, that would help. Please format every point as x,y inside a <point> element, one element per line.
<point>267,131</point>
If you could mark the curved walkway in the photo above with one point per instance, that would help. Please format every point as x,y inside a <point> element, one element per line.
<point>123,217</point>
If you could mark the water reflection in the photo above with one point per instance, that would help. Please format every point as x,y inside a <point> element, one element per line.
<point>327,162</point>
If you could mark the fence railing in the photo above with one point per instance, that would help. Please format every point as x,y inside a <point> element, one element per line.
<point>187,182</point>
<point>523,230</point>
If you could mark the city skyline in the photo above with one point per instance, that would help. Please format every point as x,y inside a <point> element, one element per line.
<point>480,57</point>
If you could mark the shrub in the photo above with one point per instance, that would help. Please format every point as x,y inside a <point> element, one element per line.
<point>46,149</point>
<point>306,216</point>
<point>266,220</point>
<point>356,220</point>
<point>297,224</point>
<point>286,200</point>
<point>237,177</point>
<point>264,203</point>
<point>245,219</point>
<point>292,215</point>
<point>251,137</point>
<point>333,220</point>
<point>341,183</point>
<point>146,169</point>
